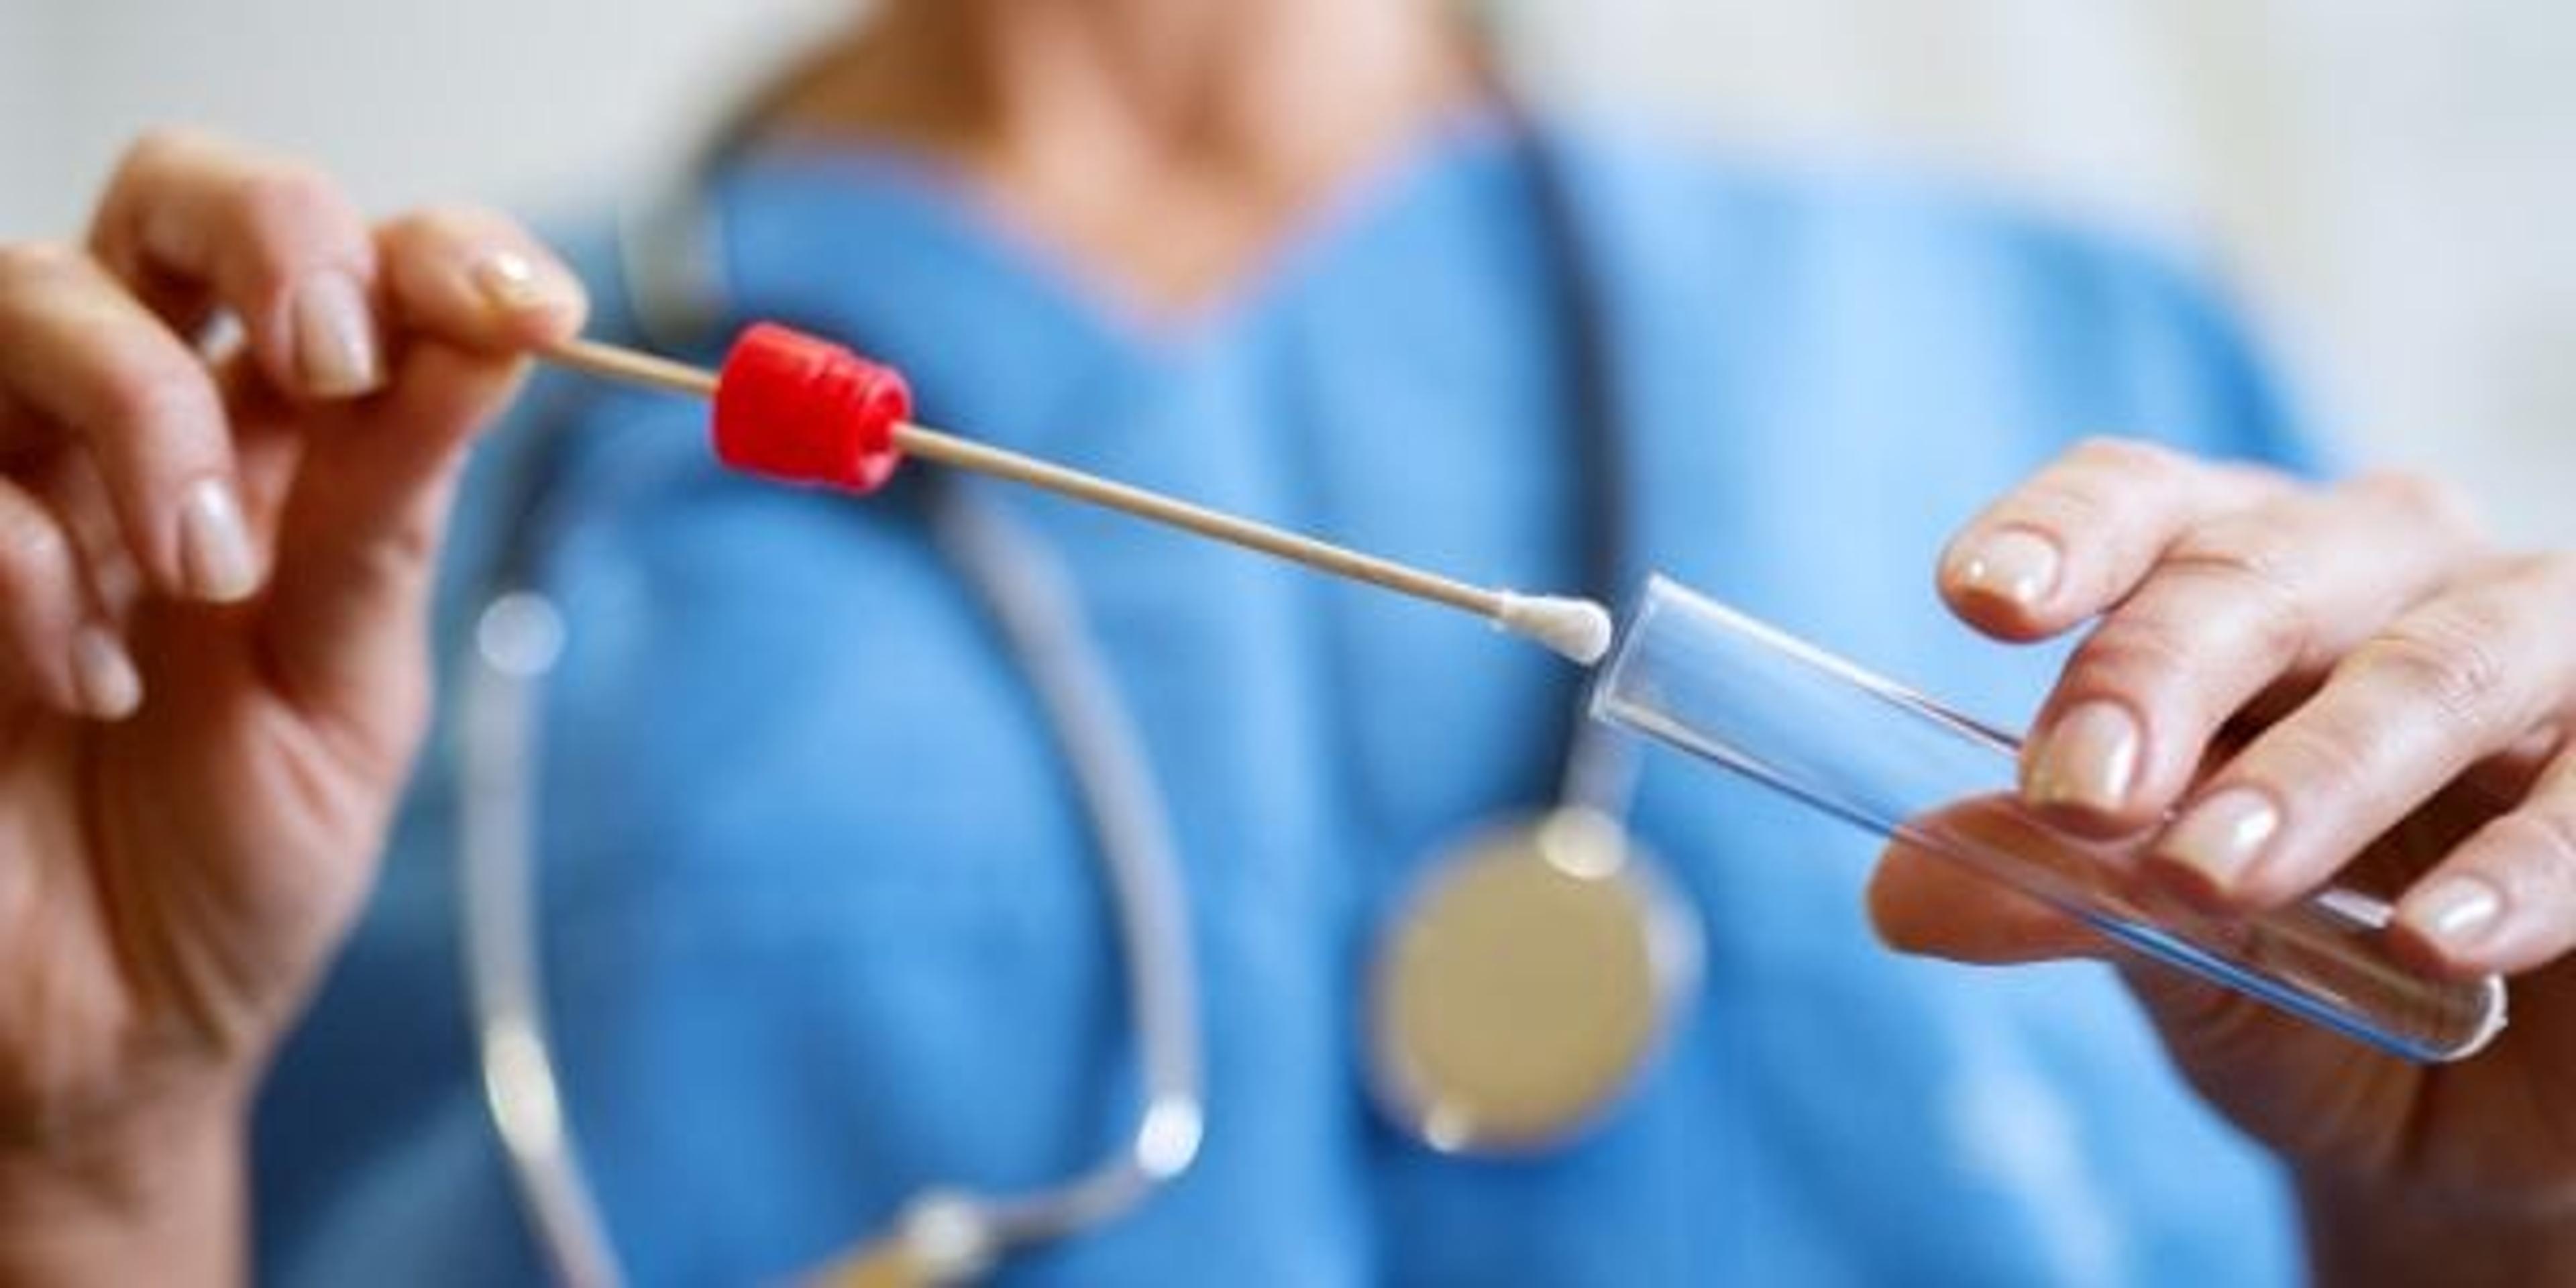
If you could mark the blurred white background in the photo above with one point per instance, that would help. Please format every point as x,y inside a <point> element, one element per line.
<point>2390,183</point>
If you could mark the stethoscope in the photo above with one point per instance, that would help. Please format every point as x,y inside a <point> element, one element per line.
<point>1461,1056</point>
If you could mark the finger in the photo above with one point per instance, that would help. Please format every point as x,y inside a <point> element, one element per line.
<point>477,280</point>
<point>1964,881</point>
<point>76,493</point>
<point>2448,684</point>
<point>1923,903</point>
<point>276,242</point>
<point>81,354</point>
<point>2505,901</point>
<point>346,620</point>
<point>2229,610</point>
<point>55,638</point>
<point>2077,537</point>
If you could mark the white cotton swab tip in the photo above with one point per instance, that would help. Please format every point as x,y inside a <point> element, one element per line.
<point>1577,630</point>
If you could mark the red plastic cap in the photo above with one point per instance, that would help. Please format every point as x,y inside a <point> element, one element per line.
<point>795,407</point>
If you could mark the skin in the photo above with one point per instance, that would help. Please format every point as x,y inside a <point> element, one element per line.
<point>202,738</point>
<point>187,829</point>
<point>2349,654</point>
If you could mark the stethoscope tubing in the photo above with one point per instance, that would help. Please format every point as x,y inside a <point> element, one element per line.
<point>676,280</point>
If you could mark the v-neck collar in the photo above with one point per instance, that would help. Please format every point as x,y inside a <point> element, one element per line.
<point>869,238</point>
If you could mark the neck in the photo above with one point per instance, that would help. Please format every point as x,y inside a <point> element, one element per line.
<point>1175,135</point>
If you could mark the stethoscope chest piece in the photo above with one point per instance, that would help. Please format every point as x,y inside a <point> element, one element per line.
<point>1526,986</point>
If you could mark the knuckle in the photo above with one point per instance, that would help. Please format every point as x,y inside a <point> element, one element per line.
<point>2255,481</point>
<point>156,151</point>
<point>2444,506</point>
<point>2132,651</point>
<point>2444,657</point>
<point>2060,502</point>
<point>32,263</point>
<point>2066,504</point>
<point>2127,457</point>
<point>149,403</point>
<point>458,220</point>
<point>2556,574</point>
<point>285,200</point>
<point>2129,464</point>
<point>442,230</point>
<point>403,554</point>
<point>156,145</point>
<point>2252,562</point>
<point>2548,572</point>
<point>2243,550</point>
<point>2313,761</point>
<point>2111,496</point>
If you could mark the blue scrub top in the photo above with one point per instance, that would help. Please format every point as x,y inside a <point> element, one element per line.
<point>823,924</point>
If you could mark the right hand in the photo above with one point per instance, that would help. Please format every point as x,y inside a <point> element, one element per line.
<point>214,574</point>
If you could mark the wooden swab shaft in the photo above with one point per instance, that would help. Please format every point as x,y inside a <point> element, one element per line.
<point>634,368</point>
<point>628,365</point>
<point>947,449</point>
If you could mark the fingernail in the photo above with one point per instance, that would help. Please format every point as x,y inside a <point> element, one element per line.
<point>104,674</point>
<point>512,283</point>
<point>2088,759</point>
<point>335,337</point>
<point>2015,564</point>
<point>214,544</point>
<point>2221,836</point>
<point>2454,912</point>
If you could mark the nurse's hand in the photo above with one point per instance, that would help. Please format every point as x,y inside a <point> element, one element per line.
<point>2304,674</point>
<point>214,563</point>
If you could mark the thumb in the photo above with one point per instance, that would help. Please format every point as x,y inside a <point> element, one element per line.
<point>468,292</point>
<point>346,619</point>
<point>1930,904</point>
<point>2248,1059</point>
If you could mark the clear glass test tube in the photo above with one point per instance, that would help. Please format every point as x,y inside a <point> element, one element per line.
<point>1704,678</point>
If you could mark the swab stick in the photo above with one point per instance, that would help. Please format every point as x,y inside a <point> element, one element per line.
<point>791,406</point>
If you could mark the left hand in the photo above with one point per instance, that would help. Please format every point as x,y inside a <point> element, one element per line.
<point>2302,674</point>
